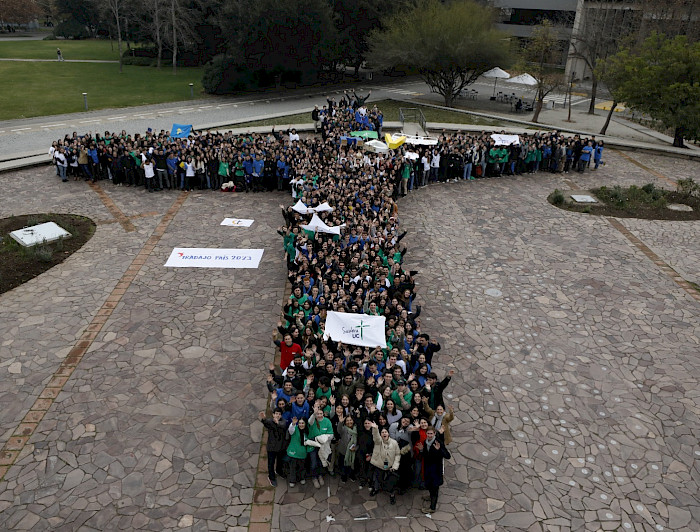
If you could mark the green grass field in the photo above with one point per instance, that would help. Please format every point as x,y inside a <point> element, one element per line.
<point>37,89</point>
<point>89,49</point>
<point>390,108</point>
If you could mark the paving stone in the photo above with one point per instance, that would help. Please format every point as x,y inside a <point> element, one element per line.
<point>565,338</point>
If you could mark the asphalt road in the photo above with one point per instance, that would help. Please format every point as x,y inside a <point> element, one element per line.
<point>34,135</point>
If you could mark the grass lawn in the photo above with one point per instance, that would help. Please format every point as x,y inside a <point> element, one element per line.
<point>390,108</point>
<point>88,49</point>
<point>37,89</point>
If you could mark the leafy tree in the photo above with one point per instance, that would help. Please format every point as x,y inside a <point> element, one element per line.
<point>279,36</point>
<point>451,44</point>
<point>662,79</point>
<point>539,54</point>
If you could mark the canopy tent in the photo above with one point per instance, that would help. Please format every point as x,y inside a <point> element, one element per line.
<point>523,79</point>
<point>365,134</point>
<point>319,226</point>
<point>303,209</point>
<point>376,146</point>
<point>496,73</point>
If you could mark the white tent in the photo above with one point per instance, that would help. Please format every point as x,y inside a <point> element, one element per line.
<point>496,73</point>
<point>523,79</point>
<point>319,226</point>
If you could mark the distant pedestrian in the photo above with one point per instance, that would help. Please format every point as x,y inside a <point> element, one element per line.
<point>59,55</point>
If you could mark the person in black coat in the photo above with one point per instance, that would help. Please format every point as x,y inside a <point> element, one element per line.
<point>433,451</point>
<point>276,443</point>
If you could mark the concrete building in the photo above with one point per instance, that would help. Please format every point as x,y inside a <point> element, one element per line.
<point>597,22</point>
<point>519,17</point>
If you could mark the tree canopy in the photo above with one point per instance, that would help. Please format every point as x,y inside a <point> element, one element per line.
<point>451,44</point>
<point>662,79</point>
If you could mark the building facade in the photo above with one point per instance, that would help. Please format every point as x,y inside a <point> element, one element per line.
<point>596,27</point>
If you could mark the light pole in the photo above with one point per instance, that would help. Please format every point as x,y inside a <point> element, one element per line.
<point>191,91</point>
<point>85,100</point>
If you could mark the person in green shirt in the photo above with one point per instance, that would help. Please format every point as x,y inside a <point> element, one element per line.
<point>297,451</point>
<point>402,395</point>
<point>318,426</point>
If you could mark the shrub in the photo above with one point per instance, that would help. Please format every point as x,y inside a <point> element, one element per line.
<point>224,76</point>
<point>71,29</point>
<point>688,188</point>
<point>649,188</point>
<point>138,61</point>
<point>44,253</point>
<point>556,197</point>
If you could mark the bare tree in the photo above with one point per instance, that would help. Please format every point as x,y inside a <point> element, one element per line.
<point>115,7</point>
<point>173,5</point>
<point>599,35</point>
<point>156,8</point>
<point>539,53</point>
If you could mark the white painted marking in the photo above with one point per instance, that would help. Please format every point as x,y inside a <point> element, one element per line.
<point>21,129</point>
<point>91,121</point>
<point>53,125</point>
<point>205,106</point>
<point>116,118</point>
<point>186,109</point>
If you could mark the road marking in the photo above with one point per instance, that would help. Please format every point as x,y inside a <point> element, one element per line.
<point>206,106</point>
<point>186,109</point>
<point>21,129</point>
<point>90,121</point>
<point>116,118</point>
<point>53,125</point>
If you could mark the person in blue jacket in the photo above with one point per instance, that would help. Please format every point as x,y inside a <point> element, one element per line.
<point>598,154</point>
<point>282,173</point>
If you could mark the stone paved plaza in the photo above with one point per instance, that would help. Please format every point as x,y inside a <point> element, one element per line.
<point>129,391</point>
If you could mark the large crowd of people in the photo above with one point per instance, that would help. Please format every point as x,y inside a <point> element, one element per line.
<point>371,415</point>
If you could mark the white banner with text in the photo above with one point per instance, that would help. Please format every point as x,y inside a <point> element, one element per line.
<point>214,258</point>
<point>355,329</point>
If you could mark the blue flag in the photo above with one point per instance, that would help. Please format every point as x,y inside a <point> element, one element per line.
<point>180,131</point>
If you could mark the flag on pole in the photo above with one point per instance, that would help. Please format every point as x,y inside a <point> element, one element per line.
<point>355,329</point>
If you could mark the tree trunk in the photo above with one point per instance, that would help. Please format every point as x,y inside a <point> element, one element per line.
<point>538,109</point>
<point>159,40</point>
<point>607,120</point>
<point>678,141</point>
<point>594,91</point>
<point>448,99</point>
<point>174,39</point>
<point>119,36</point>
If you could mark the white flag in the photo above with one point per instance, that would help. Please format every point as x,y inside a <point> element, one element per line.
<point>355,329</point>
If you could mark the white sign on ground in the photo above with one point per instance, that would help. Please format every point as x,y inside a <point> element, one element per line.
<point>355,329</point>
<point>37,234</point>
<point>214,258</point>
<point>581,198</point>
<point>237,222</point>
